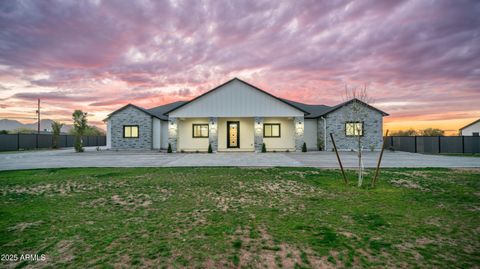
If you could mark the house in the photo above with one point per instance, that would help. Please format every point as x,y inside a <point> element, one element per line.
<point>472,129</point>
<point>237,116</point>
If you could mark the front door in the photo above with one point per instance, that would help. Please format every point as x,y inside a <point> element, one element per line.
<point>233,134</point>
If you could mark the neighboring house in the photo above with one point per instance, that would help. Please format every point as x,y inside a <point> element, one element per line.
<point>472,129</point>
<point>237,116</point>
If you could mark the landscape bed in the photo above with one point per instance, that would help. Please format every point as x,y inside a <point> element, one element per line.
<point>238,217</point>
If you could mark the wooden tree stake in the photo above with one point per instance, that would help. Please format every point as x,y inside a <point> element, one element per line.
<point>339,161</point>
<point>374,181</point>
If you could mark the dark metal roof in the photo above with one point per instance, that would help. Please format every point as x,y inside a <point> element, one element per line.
<point>314,111</point>
<point>354,100</point>
<point>160,111</point>
<point>134,106</point>
<point>311,111</point>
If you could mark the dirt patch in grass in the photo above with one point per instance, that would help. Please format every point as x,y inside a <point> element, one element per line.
<point>264,193</point>
<point>407,184</point>
<point>132,201</point>
<point>264,252</point>
<point>24,225</point>
<point>64,188</point>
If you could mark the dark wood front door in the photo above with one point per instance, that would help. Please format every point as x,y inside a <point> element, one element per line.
<point>233,134</point>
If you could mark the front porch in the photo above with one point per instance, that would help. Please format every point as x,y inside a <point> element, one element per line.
<point>236,134</point>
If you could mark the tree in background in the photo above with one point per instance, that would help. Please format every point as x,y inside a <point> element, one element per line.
<point>409,132</point>
<point>424,132</point>
<point>432,132</point>
<point>56,128</point>
<point>3,132</point>
<point>79,124</point>
<point>89,130</point>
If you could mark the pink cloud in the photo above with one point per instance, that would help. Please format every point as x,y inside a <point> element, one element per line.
<point>99,56</point>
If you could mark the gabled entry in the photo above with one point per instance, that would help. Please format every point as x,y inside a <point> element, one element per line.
<point>233,134</point>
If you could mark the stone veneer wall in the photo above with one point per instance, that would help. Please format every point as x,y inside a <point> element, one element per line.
<point>372,130</point>
<point>258,135</point>
<point>213,133</point>
<point>131,116</point>
<point>299,125</point>
<point>173,133</point>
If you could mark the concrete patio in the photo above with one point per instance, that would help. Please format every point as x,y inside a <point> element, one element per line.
<point>92,158</point>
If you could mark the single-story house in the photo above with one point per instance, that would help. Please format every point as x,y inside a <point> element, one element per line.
<point>471,129</point>
<point>237,116</point>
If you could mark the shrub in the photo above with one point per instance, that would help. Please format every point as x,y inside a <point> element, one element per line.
<point>79,125</point>
<point>264,148</point>
<point>304,147</point>
<point>169,150</point>
<point>78,144</point>
<point>56,127</point>
<point>320,144</point>
<point>210,148</point>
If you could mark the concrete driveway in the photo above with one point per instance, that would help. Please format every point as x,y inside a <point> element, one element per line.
<point>93,158</point>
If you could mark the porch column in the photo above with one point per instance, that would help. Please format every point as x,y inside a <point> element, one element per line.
<point>258,129</point>
<point>213,133</point>
<point>299,125</point>
<point>173,133</point>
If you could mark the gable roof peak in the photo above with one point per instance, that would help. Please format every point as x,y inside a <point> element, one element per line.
<point>244,82</point>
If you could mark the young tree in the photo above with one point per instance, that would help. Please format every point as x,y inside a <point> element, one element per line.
<point>79,124</point>
<point>355,113</point>
<point>56,128</point>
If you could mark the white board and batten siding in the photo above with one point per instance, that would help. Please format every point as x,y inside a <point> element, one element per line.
<point>109,135</point>
<point>156,137</point>
<point>236,99</point>
<point>164,134</point>
<point>471,129</point>
<point>160,134</point>
<point>310,134</point>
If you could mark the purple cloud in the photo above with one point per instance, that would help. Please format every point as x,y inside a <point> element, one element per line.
<point>407,51</point>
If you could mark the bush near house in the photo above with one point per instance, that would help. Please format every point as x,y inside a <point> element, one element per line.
<point>169,149</point>
<point>235,217</point>
<point>264,148</point>
<point>304,147</point>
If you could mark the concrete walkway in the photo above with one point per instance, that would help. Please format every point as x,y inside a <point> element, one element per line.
<point>93,158</point>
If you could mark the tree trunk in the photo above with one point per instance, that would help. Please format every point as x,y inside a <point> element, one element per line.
<point>360,172</point>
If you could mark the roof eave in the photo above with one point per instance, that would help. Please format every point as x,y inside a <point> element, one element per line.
<point>131,105</point>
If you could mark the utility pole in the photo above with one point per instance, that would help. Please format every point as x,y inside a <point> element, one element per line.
<point>38,116</point>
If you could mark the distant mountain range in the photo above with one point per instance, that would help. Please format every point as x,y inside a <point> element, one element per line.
<point>45,125</point>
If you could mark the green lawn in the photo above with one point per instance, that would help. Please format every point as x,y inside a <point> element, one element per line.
<point>229,217</point>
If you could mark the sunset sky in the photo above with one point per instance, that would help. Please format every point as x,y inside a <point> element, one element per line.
<point>419,59</point>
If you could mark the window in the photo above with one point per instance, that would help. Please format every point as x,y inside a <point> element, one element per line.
<point>130,131</point>
<point>475,134</point>
<point>200,130</point>
<point>271,130</point>
<point>354,128</point>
